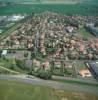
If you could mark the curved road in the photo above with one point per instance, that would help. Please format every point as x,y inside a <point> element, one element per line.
<point>52,84</point>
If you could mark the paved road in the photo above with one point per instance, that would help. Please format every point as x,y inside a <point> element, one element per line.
<point>84,80</point>
<point>36,42</point>
<point>52,84</point>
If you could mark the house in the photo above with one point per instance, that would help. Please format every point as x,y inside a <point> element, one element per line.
<point>4,52</point>
<point>46,65</point>
<point>36,65</point>
<point>69,29</point>
<point>57,64</point>
<point>85,73</point>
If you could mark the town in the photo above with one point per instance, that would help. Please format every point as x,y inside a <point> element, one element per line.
<point>48,49</point>
<point>51,39</point>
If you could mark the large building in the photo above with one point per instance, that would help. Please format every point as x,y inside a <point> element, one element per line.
<point>93,66</point>
<point>92,29</point>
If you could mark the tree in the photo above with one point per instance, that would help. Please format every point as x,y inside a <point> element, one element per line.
<point>20,63</point>
<point>0,52</point>
<point>9,43</point>
<point>44,74</point>
<point>25,54</point>
<point>12,66</point>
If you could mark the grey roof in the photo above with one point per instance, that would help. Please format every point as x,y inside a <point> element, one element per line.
<point>94,67</point>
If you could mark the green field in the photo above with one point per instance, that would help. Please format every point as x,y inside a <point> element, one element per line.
<point>9,64</point>
<point>9,31</point>
<point>10,90</point>
<point>85,34</point>
<point>83,9</point>
<point>51,1</point>
<point>21,91</point>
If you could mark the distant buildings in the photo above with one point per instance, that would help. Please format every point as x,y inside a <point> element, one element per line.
<point>8,21</point>
<point>51,34</point>
<point>15,17</point>
<point>92,29</point>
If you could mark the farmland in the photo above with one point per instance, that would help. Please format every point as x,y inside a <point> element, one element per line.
<point>10,90</point>
<point>52,1</point>
<point>82,7</point>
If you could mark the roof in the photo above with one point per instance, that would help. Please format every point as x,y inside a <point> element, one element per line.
<point>94,67</point>
<point>85,72</point>
<point>4,52</point>
<point>92,29</point>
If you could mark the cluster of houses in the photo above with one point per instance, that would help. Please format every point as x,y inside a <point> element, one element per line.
<point>37,64</point>
<point>53,35</point>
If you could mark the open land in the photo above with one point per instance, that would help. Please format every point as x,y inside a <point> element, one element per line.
<point>11,90</point>
<point>83,7</point>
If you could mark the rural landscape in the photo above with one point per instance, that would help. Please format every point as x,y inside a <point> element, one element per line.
<point>49,49</point>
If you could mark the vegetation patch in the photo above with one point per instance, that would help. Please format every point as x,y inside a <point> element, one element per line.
<point>10,90</point>
<point>82,9</point>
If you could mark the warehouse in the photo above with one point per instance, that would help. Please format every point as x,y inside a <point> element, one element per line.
<point>92,29</point>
